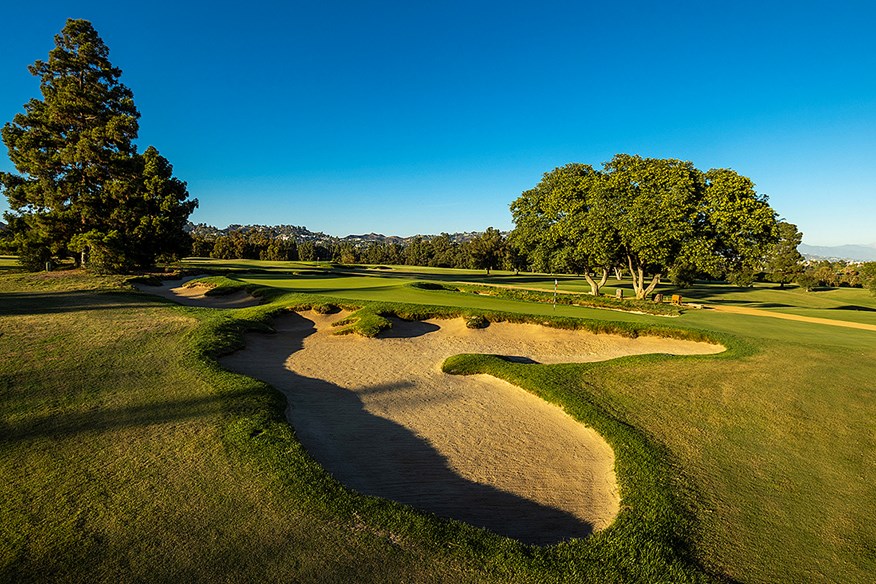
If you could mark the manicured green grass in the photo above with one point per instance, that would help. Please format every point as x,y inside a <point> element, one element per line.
<point>546,297</point>
<point>127,451</point>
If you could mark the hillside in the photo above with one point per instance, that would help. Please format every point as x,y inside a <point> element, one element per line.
<point>859,253</point>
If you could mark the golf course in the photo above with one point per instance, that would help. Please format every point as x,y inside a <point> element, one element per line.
<point>303,421</point>
<point>415,293</point>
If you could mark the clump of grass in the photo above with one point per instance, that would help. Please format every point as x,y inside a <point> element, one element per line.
<point>476,321</point>
<point>364,322</point>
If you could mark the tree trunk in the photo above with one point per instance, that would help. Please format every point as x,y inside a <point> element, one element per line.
<point>594,285</point>
<point>618,273</point>
<point>651,286</point>
<point>638,276</point>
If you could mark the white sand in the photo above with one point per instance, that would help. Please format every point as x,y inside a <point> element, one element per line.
<point>195,295</point>
<point>382,418</point>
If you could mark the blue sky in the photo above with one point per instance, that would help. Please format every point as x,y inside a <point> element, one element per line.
<point>414,117</point>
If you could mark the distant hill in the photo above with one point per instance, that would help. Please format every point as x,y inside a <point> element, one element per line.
<point>300,233</point>
<point>858,253</point>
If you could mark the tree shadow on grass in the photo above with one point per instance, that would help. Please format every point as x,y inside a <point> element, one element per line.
<point>854,307</point>
<point>59,425</point>
<point>376,456</point>
<point>26,303</point>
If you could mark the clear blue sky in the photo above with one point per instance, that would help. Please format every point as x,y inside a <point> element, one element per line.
<point>420,117</point>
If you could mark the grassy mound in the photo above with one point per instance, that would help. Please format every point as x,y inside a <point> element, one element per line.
<point>218,285</point>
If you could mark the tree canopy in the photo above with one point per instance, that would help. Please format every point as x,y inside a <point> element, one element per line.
<point>652,216</point>
<point>784,262</point>
<point>487,250</point>
<point>559,228</point>
<point>82,186</point>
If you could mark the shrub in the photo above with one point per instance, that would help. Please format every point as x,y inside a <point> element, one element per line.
<point>807,280</point>
<point>33,257</point>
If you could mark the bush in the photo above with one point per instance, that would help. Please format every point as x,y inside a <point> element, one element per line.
<point>33,257</point>
<point>807,280</point>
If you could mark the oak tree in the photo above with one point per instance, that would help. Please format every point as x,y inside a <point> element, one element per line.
<point>487,250</point>
<point>651,216</point>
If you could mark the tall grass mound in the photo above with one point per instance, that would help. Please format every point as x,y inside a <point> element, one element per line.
<point>363,322</point>
<point>476,321</point>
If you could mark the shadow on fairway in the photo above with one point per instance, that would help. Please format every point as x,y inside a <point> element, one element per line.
<point>376,456</point>
<point>26,303</point>
<point>854,307</point>
<point>102,418</point>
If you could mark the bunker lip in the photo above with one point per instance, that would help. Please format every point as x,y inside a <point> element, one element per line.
<point>382,418</point>
<point>195,295</point>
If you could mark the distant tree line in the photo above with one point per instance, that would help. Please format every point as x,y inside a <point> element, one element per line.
<point>487,250</point>
<point>837,274</point>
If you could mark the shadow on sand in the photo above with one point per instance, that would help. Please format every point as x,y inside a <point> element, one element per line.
<point>376,456</point>
<point>411,329</point>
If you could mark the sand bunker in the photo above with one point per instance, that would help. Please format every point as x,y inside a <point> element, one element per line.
<point>197,295</point>
<point>383,419</point>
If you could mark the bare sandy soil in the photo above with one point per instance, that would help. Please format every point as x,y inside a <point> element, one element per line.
<point>383,419</point>
<point>796,317</point>
<point>195,295</point>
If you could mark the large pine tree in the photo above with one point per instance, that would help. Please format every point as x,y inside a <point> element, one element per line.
<point>83,190</point>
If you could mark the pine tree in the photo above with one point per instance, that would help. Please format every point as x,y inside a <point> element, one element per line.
<point>82,186</point>
<point>784,262</point>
